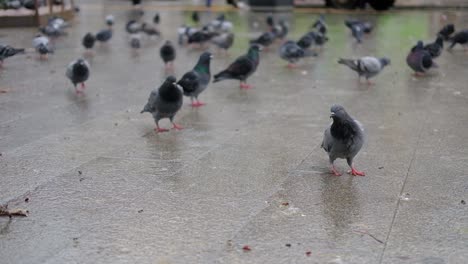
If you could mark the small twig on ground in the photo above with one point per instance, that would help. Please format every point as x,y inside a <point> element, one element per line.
<point>367,233</point>
<point>4,211</point>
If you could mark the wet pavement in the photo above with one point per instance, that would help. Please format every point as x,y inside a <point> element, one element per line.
<point>247,169</point>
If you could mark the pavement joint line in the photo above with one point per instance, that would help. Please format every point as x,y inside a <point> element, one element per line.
<point>395,212</point>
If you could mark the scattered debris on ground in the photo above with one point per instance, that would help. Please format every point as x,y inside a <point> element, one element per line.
<point>463,202</point>
<point>288,245</point>
<point>308,253</point>
<point>246,248</point>
<point>285,204</point>
<point>26,200</point>
<point>140,211</point>
<point>367,233</point>
<point>4,211</point>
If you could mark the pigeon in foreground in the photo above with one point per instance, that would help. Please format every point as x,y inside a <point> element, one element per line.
<point>41,45</point>
<point>88,41</point>
<point>165,102</point>
<point>460,38</point>
<point>168,54</point>
<point>7,51</point>
<point>292,52</point>
<point>224,41</point>
<point>196,81</point>
<point>343,139</point>
<point>78,72</point>
<point>104,35</point>
<point>242,67</point>
<point>366,66</point>
<point>419,59</point>
<point>435,48</point>
<point>446,31</point>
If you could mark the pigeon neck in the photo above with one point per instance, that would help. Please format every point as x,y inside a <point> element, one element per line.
<point>169,93</point>
<point>203,67</point>
<point>253,54</point>
<point>342,129</point>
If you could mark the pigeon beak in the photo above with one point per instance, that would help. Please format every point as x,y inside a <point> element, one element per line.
<point>332,114</point>
<point>211,56</point>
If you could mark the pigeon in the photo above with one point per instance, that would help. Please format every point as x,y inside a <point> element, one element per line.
<point>435,48</point>
<point>358,28</point>
<point>196,81</point>
<point>200,37</point>
<point>320,25</point>
<point>270,21</point>
<point>165,103</point>
<point>110,20</point>
<point>282,30</point>
<point>132,27</point>
<point>168,54</point>
<point>88,41</point>
<point>319,38</point>
<point>8,51</point>
<point>266,39</point>
<point>343,139</point>
<point>52,30</point>
<point>78,72</point>
<point>150,30</point>
<point>12,4</point>
<point>446,31</point>
<point>224,41</point>
<point>57,22</point>
<point>242,67</point>
<point>460,38</point>
<point>419,59</point>
<point>292,53</point>
<point>104,35</point>
<point>305,41</point>
<point>366,66</point>
<point>156,19</point>
<point>41,45</point>
<point>135,42</point>
<point>195,17</point>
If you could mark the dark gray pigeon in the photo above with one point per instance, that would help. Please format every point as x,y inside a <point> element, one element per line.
<point>460,38</point>
<point>78,72</point>
<point>135,42</point>
<point>435,48</point>
<point>165,102</point>
<point>168,55</point>
<point>133,27</point>
<point>291,52</point>
<point>306,41</point>
<point>366,66</point>
<point>7,51</point>
<point>242,67</point>
<point>196,81</point>
<point>104,35</point>
<point>419,59</point>
<point>446,31</point>
<point>320,25</point>
<point>343,139</point>
<point>266,39</point>
<point>149,30</point>
<point>88,41</point>
<point>224,41</point>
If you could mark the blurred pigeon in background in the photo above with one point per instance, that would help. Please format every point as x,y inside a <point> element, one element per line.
<point>41,45</point>
<point>343,139</point>
<point>78,72</point>
<point>104,35</point>
<point>168,55</point>
<point>88,41</point>
<point>265,39</point>
<point>459,38</point>
<point>7,51</point>
<point>419,59</point>
<point>435,48</point>
<point>366,66</point>
<point>447,31</point>
<point>224,41</point>
<point>292,52</point>
<point>242,67</point>
<point>165,102</point>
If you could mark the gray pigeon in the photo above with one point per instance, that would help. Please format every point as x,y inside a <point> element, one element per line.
<point>41,45</point>
<point>165,102</point>
<point>135,42</point>
<point>459,38</point>
<point>291,52</point>
<point>224,41</point>
<point>104,35</point>
<point>8,51</point>
<point>195,81</point>
<point>168,55</point>
<point>78,72</point>
<point>366,66</point>
<point>419,59</point>
<point>343,139</point>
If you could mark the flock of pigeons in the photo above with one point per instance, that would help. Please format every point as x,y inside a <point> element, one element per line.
<point>342,139</point>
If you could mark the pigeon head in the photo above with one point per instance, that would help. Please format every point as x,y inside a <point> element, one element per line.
<point>170,79</point>
<point>385,61</point>
<point>110,20</point>
<point>419,46</point>
<point>206,56</point>
<point>338,113</point>
<point>255,47</point>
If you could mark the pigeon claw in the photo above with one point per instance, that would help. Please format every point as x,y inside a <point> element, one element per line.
<point>245,86</point>
<point>160,130</point>
<point>177,127</point>
<point>292,66</point>
<point>355,172</point>
<point>335,171</point>
<point>197,104</point>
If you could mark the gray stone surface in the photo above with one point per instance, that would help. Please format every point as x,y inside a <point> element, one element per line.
<point>248,168</point>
